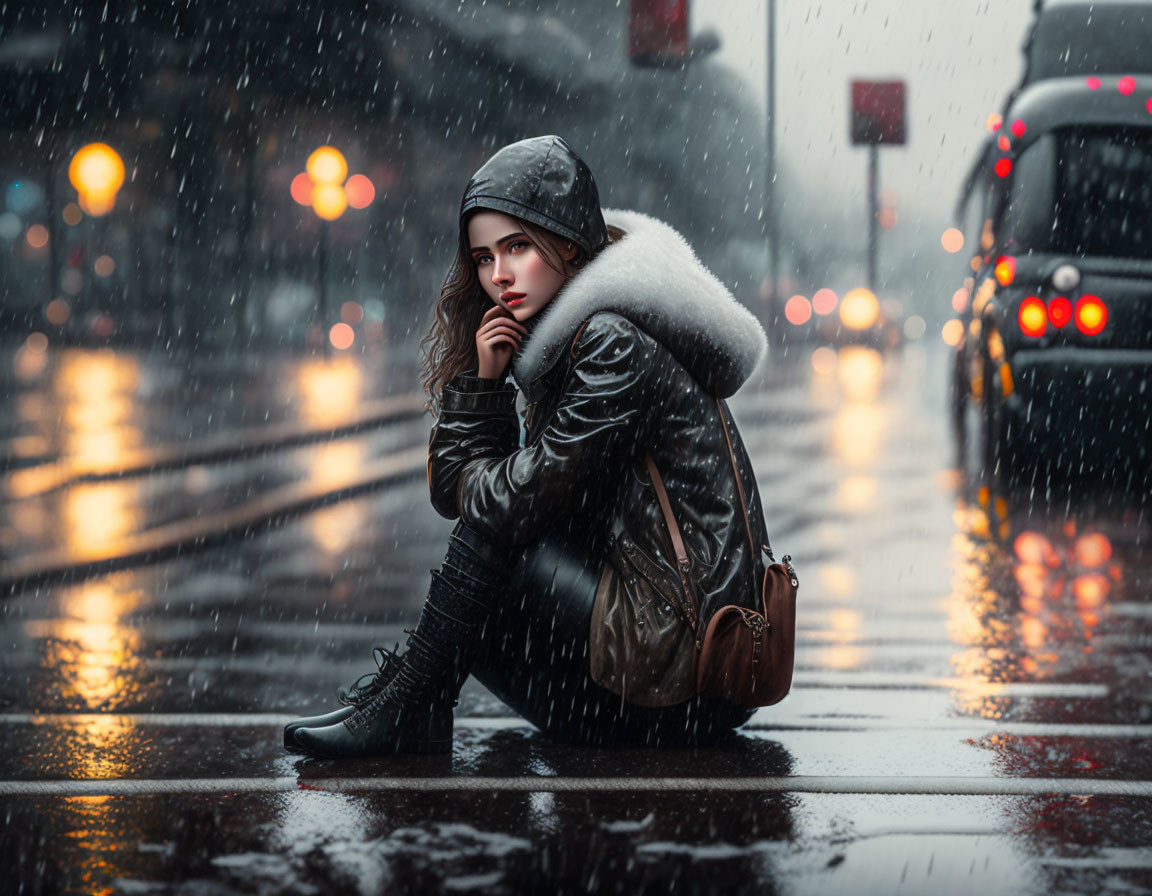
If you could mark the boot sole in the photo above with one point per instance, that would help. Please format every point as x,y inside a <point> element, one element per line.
<point>420,748</point>
<point>331,718</point>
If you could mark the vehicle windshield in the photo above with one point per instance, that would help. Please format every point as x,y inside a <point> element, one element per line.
<point>1090,38</point>
<point>1082,192</point>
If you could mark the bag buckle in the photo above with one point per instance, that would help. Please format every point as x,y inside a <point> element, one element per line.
<point>787,561</point>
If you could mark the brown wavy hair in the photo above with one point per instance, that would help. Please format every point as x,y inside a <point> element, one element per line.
<point>450,346</point>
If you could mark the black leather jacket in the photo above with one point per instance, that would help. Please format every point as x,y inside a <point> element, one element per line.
<point>615,393</point>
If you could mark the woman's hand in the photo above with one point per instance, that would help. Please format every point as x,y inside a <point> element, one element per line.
<point>496,340</point>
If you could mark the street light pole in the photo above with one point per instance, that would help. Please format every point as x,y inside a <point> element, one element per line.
<point>325,227</point>
<point>770,175</point>
<point>873,212</point>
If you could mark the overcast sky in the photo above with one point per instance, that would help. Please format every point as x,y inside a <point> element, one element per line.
<point>959,59</point>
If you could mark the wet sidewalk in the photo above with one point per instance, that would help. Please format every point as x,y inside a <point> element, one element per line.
<point>970,713</point>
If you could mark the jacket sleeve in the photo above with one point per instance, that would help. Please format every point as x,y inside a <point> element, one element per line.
<point>477,420</point>
<point>514,499</point>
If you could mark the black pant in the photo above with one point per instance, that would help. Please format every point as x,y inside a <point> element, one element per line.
<point>534,651</point>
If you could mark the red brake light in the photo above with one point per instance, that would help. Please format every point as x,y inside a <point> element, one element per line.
<point>1059,312</point>
<point>1005,270</point>
<point>1033,317</point>
<point>1091,315</point>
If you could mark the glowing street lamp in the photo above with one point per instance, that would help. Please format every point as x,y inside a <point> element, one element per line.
<point>97,173</point>
<point>324,185</point>
<point>859,309</point>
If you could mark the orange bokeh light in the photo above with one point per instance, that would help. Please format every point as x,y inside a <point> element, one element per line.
<point>352,312</point>
<point>341,336</point>
<point>1092,550</point>
<point>1035,548</point>
<point>37,236</point>
<point>329,201</point>
<point>952,332</point>
<point>1091,589</point>
<point>1091,315</point>
<point>1033,317</point>
<point>327,165</point>
<point>952,240</point>
<point>57,312</point>
<point>960,300</point>
<point>1005,270</point>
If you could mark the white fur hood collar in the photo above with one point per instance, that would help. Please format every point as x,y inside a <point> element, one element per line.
<point>653,278</point>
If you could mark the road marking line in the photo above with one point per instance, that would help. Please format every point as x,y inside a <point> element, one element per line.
<point>545,784</point>
<point>217,665</point>
<point>42,479</point>
<point>263,512</point>
<point>762,723</point>
<point>911,681</point>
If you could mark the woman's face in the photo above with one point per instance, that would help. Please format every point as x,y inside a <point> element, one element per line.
<point>513,273</point>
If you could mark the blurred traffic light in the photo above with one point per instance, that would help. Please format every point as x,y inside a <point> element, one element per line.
<point>658,32</point>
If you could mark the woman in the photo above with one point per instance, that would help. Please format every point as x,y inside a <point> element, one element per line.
<point>557,590</point>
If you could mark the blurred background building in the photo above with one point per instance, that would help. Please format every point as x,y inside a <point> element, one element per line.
<point>214,109</point>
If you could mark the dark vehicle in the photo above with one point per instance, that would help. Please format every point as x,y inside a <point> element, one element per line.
<point>1053,376</point>
<point>1073,37</point>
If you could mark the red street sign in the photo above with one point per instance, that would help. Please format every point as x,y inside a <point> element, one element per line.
<point>877,112</point>
<point>658,32</point>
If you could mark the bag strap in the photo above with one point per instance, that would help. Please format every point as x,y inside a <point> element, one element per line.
<point>674,533</point>
<point>744,509</point>
<point>736,476</point>
<point>666,508</point>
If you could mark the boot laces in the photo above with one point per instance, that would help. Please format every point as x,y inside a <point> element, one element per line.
<point>400,690</point>
<point>388,662</point>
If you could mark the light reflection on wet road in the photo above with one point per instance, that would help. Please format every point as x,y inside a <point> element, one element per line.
<point>928,652</point>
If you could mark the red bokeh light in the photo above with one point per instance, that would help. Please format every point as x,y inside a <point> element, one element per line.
<point>301,188</point>
<point>360,191</point>
<point>1093,82</point>
<point>824,301</point>
<point>1059,311</point>
<point>1003,168</point>
<point>798,310</point>
<point>1004,143</point>
<point>1126,85</point>
<point>1018,128</point>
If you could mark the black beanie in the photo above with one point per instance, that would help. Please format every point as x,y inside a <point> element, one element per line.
<point>543,181</point>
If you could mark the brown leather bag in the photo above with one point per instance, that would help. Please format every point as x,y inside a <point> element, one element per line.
<point>745,656</point>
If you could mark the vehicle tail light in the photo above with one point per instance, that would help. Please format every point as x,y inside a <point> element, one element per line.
<point>1091,315</point>
<point>1005,270</point>
<point>1033,317</point>
<point>1059,312</point>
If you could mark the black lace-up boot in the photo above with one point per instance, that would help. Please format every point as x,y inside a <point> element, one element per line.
<point>387,663</point>
<point>413,714</point>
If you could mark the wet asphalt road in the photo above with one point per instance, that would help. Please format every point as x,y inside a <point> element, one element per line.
<point>971,709</point>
